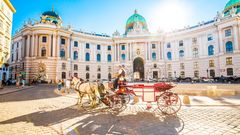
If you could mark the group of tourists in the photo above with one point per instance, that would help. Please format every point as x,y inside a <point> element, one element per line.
<point>64,86</point>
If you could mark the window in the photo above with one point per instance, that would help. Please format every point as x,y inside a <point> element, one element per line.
<point>196,74</point>
<point>109,48</point>
<point>62,53</point>
<point>44,39</point>
<point>75,43</point>
<point>228,33</point>
<point>98,76</point>
<point>75,55</point>
<point>195,52</point>
<point>229,71</point>
<point>154,56</point>
<point>98,57</point>
<point>210,50</point>
<point>182,66</point>
<point>123,57</point>
<point>87,57</point>
<point>194,40</point>
<point>169,66</point>
<point>98,47</point>
<point>153,46</point>
<point>169,74</point>
<point>182,74</point>
<point>211,63</point>
<point>155,65</point>
<point>229,61</point>
<point>210,37</point>
<point>169,56</point>
<point>75,67</point>
<point>168,45</point>
<point>63,66</point>
<point>212,73</point>
<point>75,74</point>
<point>123,47</point>
<point>229,47</point>
<point>109,76</point>
<point>87,46</point>
<point>63,41</point>
<point>109,57</point>
<point>87,76</point>
<point>63,75</point>
<point>87,68</point>
<point>181,53</point>
<point>180,43</point>
<point>195,65</point>
<point>99,68</point>
<point>43,52</point>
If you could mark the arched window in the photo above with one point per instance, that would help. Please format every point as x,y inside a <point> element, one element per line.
<point>87,57</point>
<point>109,76</point>
<point>181,53</point>
<point>212,73</point>
<point>229,47</point>
<point>75,55</point>
<point>63,66</point>
<point>109,57</point>
<point>75,67</point>
<point>123,56</point>
<point>87,76</point>
<point>98,76</point>
<point>154,56</point>
<point>43,52</point>
<point>210,50</point>
<point>62,53</point>
<point>169,56</point>
<point>63,75</point>
<point>98,57</point>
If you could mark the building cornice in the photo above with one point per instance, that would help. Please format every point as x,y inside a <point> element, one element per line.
<point>9,4</point>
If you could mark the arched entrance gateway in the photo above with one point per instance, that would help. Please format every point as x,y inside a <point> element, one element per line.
<point>138,68</point>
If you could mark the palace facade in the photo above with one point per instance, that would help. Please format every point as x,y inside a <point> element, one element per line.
<point>6,17</point>
<point>49,51</point>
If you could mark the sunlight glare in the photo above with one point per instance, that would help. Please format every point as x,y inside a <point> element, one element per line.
<point>170,15</point>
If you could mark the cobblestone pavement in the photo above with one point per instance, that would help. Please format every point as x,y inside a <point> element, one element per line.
<point>40,111</point>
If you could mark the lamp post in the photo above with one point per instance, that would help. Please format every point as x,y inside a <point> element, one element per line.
<point>175,74</point>
<point>207,73</point>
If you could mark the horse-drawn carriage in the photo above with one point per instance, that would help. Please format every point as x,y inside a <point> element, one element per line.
<point>167,101</point>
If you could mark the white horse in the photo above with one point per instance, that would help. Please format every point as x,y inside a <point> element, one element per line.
<point>91,89</point>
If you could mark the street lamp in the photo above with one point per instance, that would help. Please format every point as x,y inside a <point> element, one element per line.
<point>175,74</point>
<point>207,73</point>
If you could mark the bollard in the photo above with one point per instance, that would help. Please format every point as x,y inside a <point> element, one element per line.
<point>186,100</point>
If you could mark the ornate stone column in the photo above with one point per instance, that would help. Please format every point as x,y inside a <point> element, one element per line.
<point>33,45</point>
<point>28,46</point>
<point>50,45</point>
<point>54,45</point>
<point>236,38</point>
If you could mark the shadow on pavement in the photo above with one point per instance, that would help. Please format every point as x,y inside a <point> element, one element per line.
<point>38,92</point>
<point>104,123</point>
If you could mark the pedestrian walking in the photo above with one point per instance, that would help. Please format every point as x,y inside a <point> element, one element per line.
<point>68,86</point>
<point>59,85</point>
<point>23,83</point>
<point>18,83</point>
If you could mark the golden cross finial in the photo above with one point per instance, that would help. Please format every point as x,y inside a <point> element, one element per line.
<point>52,7</point>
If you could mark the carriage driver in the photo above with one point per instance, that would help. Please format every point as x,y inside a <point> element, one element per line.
<point>121,77</point>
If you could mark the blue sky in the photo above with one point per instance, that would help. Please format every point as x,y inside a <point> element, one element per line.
<point>106,16</point>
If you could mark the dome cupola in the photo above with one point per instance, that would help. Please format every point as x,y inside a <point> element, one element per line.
<point>136,22</point>
<point>232,6</point>
<point>51,17</point>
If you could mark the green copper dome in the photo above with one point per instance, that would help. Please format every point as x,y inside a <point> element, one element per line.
<point>230,5</point>
<point>134,19</point>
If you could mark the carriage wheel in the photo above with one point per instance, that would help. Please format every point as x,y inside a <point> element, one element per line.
<point>169,103</point>
<point>125,98</point>
<point>116,103</point>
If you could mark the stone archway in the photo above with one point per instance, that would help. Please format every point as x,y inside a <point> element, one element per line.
<point>138,67</point>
